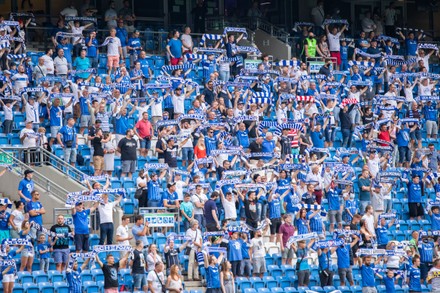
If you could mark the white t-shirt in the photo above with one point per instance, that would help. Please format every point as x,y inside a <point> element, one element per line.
<point>111,13</point>
<point>113,46</point>
<point>200,198</point>
<point>61,65</point>
<point>195,235</point>
<point>32,112</point>
<point>258,247</point>
<point>179,189</point>
<point>141,110</point>
<point>425,61</point>
<point>390,16</point>
<point>106,212</point>
<point>18,218</point>
<point>156,108</point>
<point>28,142</point>
<point>374,166</point>
<point>123,232</point>
<point>141,180</point>
<point>8,112</point>
<point>48,63</point>
<point>425,90</point>
<point>156,282</point>
<point>369,221</point>
<point>179,104</point>
<point>21,81</point>
<point>187,40</point>
<point>333,42</point>
<point>230,209</point>
<point>76,30</point>
<point>69,11</point>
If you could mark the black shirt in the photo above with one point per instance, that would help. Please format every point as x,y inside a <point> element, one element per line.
<point>209,96</point>
<point>110,275</point>
<point>159,145</point>
<point>97,147</point>
<point>170,155</point>
<point>64,230</point>
<point>172,257</point>
<point>138,262</point>
<point>128,149</point>
<point>250,208</point>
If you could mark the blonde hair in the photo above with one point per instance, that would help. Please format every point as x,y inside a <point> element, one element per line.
<point>41,129</point>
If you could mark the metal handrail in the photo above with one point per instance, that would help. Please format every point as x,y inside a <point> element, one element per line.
<point>64,167</point>
<point>50,186</point>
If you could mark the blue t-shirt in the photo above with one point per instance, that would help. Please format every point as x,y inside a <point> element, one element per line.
<point>11,254</point>
<point>213,277</point>
<point>414,192</point>
<point>291,203</point>
<point>122,124</point>
<point>144,67</point>
<point>343,254</point>
<point>430,112</point>
<point>435,221</point>
<point>323,260</point>
<point>35,205</point>
<point>82,64</point>
<point>244,248</point>
<point>382,235</point>
<point>92,51</point>
<point>175,47</point>
<point>367,274</point>
<point>301,225</point>
<point>402,137</point>
<point>135,43</point>
<point>83,104</point>
<point>81,222</point>
<point>56,116</point>
<point>26,187</point>
<point>390,284</point>
<point>414,279</point>
<point>275,208</point>
<point>153,190</point>
<point>243,138</point>
<point>411,47</point>
<point>234,250</point>
<point>302,254</point>
<point>69,134</point>
<point>4,220</point>
<point>67,48</point>
<point>171,197</point>
<point>344,52</point>
<point>333,199</point>
<point>315,223</point>
<point>43,246</point>
<point>74,281</point>
<point>317,139</point>
<point>122,34</point>
<point>426,251</point>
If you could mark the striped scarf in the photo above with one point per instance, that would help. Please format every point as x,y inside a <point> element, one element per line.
<point>427,46</point>
<point>364,54</point>
<point>302,237</point>
<point>81,18</point>
<point>321,244</point>
<point>155,166</point>
<point>306,99</point>
<point>240,30</point>
<point>289,63</point>
<point>299,24</point>
<point>15,56</point>
<point>210,37</point>
<point>185,67</point>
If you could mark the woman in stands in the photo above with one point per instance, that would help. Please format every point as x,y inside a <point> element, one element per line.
<point>174,282</point>
<point>27,255</point>
<point>8,272</point>
<point>227,278</point>
<point>16,219</point>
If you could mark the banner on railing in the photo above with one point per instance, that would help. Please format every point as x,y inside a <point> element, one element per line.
<point>159,220</point>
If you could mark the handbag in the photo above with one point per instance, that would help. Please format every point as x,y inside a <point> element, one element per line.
<point>164,289</point>
<point>138,193</point>
<point>298,264</point>
<point>69,143</point>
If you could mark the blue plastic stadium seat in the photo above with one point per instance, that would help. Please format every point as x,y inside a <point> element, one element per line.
<point>128,206</point>
<point>40,277</point>
<point>25,277</point>
<point>31,288</point>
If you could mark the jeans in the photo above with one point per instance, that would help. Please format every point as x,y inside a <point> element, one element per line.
<point>70,155</point>
<point>387,203</point>
<point>44,264</point>
<point>224,75</point>
<point>201,220</point>
<point>106,231</point>
<point>363,205</point>
<point>7,126</point>
<point>330,134</point>
<point>93,61</point>
<point>246,267</point>
<point>261,211</point>
<point>347,135</point>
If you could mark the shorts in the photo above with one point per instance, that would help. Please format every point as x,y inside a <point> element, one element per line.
<point>336,55</point>
<point>54,131</point>
<point>416,134</point>
<point>81,242</point>
<point>112,61</point>
<point>128,166</point>
<point>85,121</point>
<point>4,234</point>
<point>98,162</point>
<point>139,281</point>
<point>415,209</point>
<point>345,273</point>
<point>404,154</point>
<point>187,154</point>
<point>287,253</point>
<point>111,290</point>
<point>276,223</point>
<point>27,252</point>
<point>369,290</point>
<point>335,216</point>
<point>145,143</point>
<point>259,265</point>
<point>431,127</point>
<point>70,155</point>
<point>8,278</point>
<point>61,255</point>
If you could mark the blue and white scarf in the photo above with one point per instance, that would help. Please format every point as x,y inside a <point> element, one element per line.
<point>321,244</point>
<point>210,37</point>
<point>240,30</point>
<point>302,237</point>
<point>155,166</point>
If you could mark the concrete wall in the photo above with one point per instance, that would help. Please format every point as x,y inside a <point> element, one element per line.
<point>9,187</point>
<point>270,45</point>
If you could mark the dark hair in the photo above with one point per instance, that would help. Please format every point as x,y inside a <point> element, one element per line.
<point>33,192</point>
<point>17,203</point>
<point>138,217</point>
<point>124,217</point>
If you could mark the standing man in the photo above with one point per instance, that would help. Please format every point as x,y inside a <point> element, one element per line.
<point>68,141</point>
<point>110,270</point>
<point>139,268</point>
<point>127,148</point>
<point>35,209</point>
<point>367,273</point>
<point>285,232</point>
<point>211,214</point>
<point>80,217</point>
<point>199,199</point>
<point>140,232</point>
<point>26,186</point>
<point>144,130</point>
<point>114,50</point>
<point>122,235</point>
<point>106,219</point>
<point>174,48</point>
<point>61,247</point>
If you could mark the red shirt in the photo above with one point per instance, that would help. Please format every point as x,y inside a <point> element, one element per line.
<point>384,135</point>
<point>144,128</point>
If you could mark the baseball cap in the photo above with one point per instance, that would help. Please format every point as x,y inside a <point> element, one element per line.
<point>6,72</point>
<point>98,121</point>
<point>28,171</point>
<point>171,184</point>
<point>78,203</point>
<point>29,121</point>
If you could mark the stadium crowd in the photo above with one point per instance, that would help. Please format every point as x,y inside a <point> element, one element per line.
<point>295,174</point>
